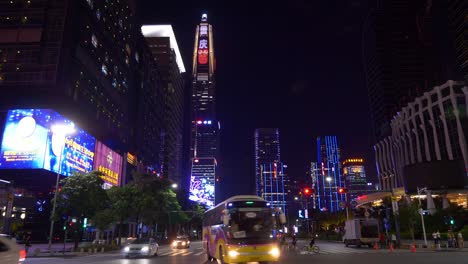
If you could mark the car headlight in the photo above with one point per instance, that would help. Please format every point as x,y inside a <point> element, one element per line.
<point>174,244</point>
<point>275,252</point>
<point>144,249</point>
<point>126,249</point>
<point>183,243</point>
<point>233,253</point>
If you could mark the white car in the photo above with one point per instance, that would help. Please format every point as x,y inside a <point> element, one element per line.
<point>10,252</point>
<point>141,247</point>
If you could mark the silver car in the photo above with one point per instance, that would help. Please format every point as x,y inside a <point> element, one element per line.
<point>141,247</point>
<point>10,253</point>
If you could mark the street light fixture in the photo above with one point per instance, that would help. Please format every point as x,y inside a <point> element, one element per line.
<point>60,131</point>
<point>174,186</point>
<point>328,179</point>
<point>421,212</point>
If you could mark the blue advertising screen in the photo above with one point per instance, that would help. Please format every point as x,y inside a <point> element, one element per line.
<point>29,143</point>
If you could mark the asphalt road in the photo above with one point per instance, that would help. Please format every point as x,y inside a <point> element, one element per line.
<point>329,253</point>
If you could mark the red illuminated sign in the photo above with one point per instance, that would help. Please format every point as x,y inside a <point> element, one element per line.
<point>203,56</point>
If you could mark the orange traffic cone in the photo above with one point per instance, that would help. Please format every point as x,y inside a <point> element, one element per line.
<point>413,248</point>
<point>376,246</point>
<point>391,247</point>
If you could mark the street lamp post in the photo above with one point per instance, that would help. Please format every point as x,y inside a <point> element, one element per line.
<point>61,131</point>
<point>422,215</point>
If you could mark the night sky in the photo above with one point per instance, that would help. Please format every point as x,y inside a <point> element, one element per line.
<point>295,65</point>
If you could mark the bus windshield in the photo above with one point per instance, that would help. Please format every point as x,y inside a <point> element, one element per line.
<point>253,224</point>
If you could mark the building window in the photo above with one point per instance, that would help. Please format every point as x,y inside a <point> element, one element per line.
<point>137,58</point>
<point>98,14</point>
<point>114,83</point>
<point>104,69</point>
<point>90,3</point>
<point>94,41</point>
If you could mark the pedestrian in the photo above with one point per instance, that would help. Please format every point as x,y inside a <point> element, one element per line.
<point>438,239</point>
<point>449,239</point>
<point>460,240</point>
<point>382,240</point>
<point>27,242</point>
<point>394,240</point>
<point>434,236</point>
<point>294,242</point>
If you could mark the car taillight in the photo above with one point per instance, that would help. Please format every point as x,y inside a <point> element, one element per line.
<point>22,255</point>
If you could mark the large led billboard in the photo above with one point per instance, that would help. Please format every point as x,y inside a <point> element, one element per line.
<point>202,181</point>
<point>29,143</point>
<point>108,162</point>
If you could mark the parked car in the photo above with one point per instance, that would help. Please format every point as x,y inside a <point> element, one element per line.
<point>141,247</point>
<point>10,252</point>
<point>181,242</point>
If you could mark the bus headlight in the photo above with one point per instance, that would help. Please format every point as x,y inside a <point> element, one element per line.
<point>233,253</point>
<point>126,249</point>
<point>275,252</point>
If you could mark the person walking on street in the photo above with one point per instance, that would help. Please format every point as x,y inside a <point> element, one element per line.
<point>460,240</point>
<point>393,240</point>
<point>434,236</point>
<point>438,239</point>
<point>27,242</point>
<point>450,239</point>
<point>382,240</point>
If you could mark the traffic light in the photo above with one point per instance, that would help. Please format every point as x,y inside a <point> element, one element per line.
<point>308,191</point>
<point>342,190</point>
<point>452,221</point>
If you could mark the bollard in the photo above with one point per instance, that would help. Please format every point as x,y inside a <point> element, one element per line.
<point>413,248</point>
<point>102,250</point>
<point>391,247</point>
<point>376,246</point>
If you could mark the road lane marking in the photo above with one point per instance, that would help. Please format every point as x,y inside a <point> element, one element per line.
<point>199,253</point>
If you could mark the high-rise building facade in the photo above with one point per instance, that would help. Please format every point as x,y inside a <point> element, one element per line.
<point>354,175</point>
<point>205,127</point>
<point>271,181</point>
<point>83,62</point>
<point>400,62</point>
<point>430,136</point>
<point>163,45</point>
<point>458,11</point>
<point>267,151</point>
<point>274,184</point>
<point>328,173</point>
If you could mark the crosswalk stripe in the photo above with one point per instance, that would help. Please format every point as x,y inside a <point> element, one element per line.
<point>165,253</point>
<point>199,253</point>
<point>187,253</point>
<point>178,253</point>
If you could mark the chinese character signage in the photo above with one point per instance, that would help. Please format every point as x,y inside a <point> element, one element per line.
<point>108,162</point>
<point>29,143</point>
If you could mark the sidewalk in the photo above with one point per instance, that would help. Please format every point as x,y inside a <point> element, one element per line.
<point>57,250</point>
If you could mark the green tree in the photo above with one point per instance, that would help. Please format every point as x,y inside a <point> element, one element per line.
<point>102,220</point>
<point>409,218</point>
<point>157,202</point>
<point>123,203</point>
<point>81,196</point>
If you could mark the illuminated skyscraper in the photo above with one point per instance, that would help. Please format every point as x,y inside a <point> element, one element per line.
<point>205,127</point>
<point>354,175</point>
<point>163,45</point>
<point>271,182</point>
<point>328,173</point>
<point>267,151</point>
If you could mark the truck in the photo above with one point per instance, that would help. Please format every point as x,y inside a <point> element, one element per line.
<point>361,231</point>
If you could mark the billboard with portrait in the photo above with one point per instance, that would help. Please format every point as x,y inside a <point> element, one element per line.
<point>108,162</point>
<point>29,143</point>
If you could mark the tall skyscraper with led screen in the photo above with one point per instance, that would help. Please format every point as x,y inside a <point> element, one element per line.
<point>205,127</point>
